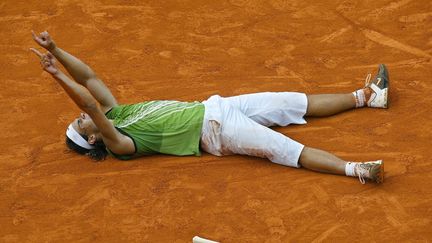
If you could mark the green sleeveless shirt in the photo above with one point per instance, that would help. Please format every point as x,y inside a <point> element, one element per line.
<point>167,127</point>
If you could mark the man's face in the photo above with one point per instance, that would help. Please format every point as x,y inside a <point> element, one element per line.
<point>84,125</point>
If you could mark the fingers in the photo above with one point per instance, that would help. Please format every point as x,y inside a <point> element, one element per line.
<point>40,55</point>
<point>46,59</point>
<point>48,55</point>
<point>34,35</point>
<point>45,36</point>
<point>37,39</point>
<point>47,63</point>
<point>42,37</point>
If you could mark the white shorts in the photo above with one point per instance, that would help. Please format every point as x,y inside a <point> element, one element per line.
<point>239,125</point>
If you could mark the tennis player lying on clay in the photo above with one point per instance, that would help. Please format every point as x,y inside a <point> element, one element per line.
<point>219,125</point>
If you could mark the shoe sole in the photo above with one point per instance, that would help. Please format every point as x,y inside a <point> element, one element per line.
<point>386,84</point>
<point>386,98</point>
<point>380,176</point>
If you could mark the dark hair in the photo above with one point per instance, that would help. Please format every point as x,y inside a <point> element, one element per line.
<point>98,153</point>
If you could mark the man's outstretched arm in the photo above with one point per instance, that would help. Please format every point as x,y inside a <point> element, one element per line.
<point>80,72</point>
<point>113,139</point>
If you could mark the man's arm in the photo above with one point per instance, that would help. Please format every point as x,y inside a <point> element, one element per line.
<point>81,72</point>
<point>85,76</point>
<point>114,140</point>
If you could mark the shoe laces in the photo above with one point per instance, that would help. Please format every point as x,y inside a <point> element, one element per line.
<point>367,80</point>
<point>362,171</point>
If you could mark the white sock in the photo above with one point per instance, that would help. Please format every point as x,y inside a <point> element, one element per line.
<point>350,169</point>
<point>360,98</point>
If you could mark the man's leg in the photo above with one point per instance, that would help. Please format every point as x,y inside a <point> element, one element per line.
<point>271,108</point>
<point>239,134</point>
<point>322,161</point>
<point>374,94</point>
<point>329,104</point>
<point>283,108</point>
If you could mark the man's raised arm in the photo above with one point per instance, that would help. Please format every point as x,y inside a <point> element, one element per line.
<point>80,72</point>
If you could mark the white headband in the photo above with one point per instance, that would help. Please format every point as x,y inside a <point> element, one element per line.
<point>76,138</point>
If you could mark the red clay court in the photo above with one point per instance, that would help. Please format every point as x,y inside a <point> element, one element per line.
<point>190,50</point>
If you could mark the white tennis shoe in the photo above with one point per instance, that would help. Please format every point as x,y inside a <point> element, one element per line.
<point>371,170</point>
<point>379,87</point>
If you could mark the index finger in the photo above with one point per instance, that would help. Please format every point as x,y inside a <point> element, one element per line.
<point>34,35</point>
<point>36,52</point>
